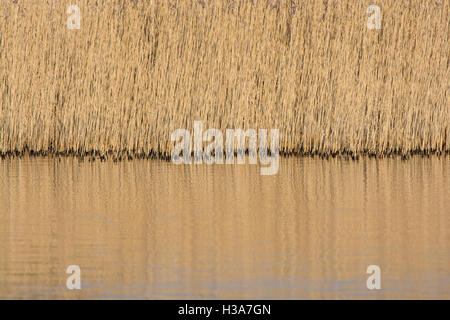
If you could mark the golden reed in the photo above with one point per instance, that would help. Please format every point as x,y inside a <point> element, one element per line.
<point>137,70</point>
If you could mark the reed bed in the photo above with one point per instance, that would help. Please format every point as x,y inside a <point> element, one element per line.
<point>137,70</point>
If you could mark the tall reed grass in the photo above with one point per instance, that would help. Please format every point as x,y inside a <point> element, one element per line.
<point>137,70</point>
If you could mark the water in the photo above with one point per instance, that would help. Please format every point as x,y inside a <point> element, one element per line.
<point>151,229</point>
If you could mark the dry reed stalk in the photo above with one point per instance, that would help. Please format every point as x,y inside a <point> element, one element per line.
<point>138,70</point>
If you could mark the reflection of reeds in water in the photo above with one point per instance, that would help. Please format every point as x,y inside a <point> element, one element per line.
<point>136,71</point>
<point>154,230</point>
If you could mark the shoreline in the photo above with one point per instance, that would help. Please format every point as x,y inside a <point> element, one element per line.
<point>125,155</point>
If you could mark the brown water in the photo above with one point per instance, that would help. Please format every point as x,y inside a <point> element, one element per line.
<point>151,229</point>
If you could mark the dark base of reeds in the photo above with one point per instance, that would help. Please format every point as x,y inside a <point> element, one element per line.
<point>92,156</point>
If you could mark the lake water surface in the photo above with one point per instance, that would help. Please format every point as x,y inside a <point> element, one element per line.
<point>151,229</point>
